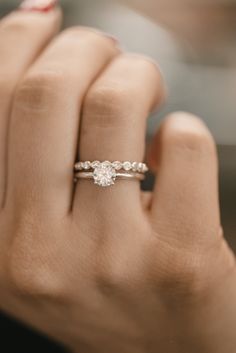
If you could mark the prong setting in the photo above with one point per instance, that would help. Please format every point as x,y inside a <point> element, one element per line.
<point>104,174</point>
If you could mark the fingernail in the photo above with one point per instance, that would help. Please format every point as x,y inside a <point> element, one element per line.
<point>105,34</point>
<point>113,38</point>
<point>38,5</point>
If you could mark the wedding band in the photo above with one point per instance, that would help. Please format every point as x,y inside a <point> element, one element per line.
<point>117,165</point>
<point>105,173</point>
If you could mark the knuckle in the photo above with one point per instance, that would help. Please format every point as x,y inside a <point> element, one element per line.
<point>38,90</point>
<point>185,131</point>
<point>143,63</point>
<point>107,104</point>
<point>31,277</point>
<point>150,90</point>
<point>184,276</point>
<point>74,31</point>
<point>123,275</point>
<point>112,281</point>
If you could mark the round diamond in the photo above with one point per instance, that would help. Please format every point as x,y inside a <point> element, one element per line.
<point>127,165</point>
<point>104,174</point>
<point>117,165</point>
<point>95,164</point>
<point>78,166</point>
<point>107,164</point>
<point>87,165</point>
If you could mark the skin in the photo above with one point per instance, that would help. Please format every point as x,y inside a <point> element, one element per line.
<point>111,269</point>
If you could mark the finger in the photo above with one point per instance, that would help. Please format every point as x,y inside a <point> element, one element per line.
<point>23,35</point>
<point>185,202</point>
<point>146,199</point>
<point>114,123</point>
<point>46,119</point>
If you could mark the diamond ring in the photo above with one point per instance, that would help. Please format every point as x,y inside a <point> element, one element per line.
<point>105,173</point>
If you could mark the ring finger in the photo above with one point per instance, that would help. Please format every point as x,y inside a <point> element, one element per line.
<point>114,123</point>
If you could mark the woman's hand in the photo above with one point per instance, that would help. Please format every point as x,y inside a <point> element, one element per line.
<point>105,269</point>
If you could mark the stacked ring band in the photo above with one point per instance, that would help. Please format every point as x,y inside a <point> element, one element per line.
<point>105,173</point>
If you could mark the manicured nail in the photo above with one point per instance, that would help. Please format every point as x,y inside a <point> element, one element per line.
<point>38,5</point>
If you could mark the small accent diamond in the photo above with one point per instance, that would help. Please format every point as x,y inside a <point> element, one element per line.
<point>135,166</point>
<point>107,164</point>
<point>87,165</point>
<point>95,164</point>
<point>78,166</point>
<point>127,166</point>
<point>140,167</point>
<point>117,165</point>
<point>145,168</point>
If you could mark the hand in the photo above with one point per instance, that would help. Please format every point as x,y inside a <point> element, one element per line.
<point>105,269</point>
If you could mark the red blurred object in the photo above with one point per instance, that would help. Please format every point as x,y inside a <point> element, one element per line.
<point>38,5</point>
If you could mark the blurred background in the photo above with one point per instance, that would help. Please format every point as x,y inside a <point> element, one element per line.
<point>194,42</point>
